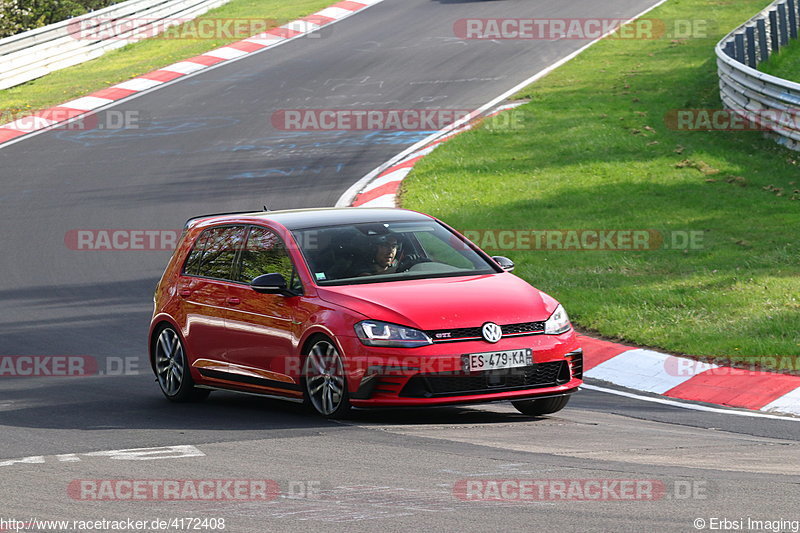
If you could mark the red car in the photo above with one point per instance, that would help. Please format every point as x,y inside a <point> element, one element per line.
<point>354,307</point>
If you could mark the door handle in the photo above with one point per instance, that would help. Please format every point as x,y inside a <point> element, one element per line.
<point>234,301</point>
<point>185,292</point>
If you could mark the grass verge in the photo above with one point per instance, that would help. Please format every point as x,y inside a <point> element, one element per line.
<point>142,57</point>
<point>785,64</point>
<point>595,151</point>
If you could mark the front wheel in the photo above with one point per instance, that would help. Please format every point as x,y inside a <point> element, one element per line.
<point>325,381</point>
<point>172,369</point>
<point>544,406</point>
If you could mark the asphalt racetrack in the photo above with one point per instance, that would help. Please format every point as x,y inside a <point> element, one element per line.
<point>208,144</point>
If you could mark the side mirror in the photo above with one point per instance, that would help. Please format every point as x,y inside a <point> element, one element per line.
<point>271,284</point>
<point>504,262</point>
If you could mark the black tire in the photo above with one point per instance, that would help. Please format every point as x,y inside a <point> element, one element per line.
<point>172,368</point>
<point>544,406</point>
<point>324,382</point>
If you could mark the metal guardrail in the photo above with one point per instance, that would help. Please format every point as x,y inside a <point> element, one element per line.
<point>771,102</point>
<point>34,53</point>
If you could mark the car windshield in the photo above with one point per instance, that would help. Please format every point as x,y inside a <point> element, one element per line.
<point>387,251</point>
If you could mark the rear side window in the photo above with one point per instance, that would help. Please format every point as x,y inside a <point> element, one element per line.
<point>214,252</point>
<point>264,253</point>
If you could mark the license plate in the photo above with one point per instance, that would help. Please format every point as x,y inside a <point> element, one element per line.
<point>475,362</point>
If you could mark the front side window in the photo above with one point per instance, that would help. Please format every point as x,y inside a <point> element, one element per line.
<point>214,252</point>
<point>387,251</point>
<point>265,253</point>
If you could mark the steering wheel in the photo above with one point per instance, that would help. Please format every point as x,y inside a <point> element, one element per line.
<point>411,260</point>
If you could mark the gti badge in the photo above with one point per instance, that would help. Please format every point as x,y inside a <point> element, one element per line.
<point>491,332</point>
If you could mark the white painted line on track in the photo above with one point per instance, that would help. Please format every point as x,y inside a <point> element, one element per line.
<point>690,406</point>
<point>128,454</point>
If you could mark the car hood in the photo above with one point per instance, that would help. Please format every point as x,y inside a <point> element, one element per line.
<point>445,303</point>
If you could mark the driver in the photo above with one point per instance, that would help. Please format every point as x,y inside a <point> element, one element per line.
<point>383,255</point>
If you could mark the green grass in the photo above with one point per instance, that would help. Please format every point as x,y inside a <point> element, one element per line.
<point>142,57</point>
<point>785,64</point>
<point>595,152</point>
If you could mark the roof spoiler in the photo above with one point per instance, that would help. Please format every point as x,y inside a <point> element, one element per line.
<point>186,224</point>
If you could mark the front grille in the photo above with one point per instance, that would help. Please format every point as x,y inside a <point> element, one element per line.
<point>445,384</point>
<point>525,327</point>
<point>457,334</point>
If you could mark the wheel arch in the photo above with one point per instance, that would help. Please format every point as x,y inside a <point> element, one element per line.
<point>158,325</point>
<point>316,333</point>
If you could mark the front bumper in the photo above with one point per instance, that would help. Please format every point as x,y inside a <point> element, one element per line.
<point>434,375</point>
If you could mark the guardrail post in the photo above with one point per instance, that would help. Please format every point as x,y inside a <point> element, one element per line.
<point>729,50</point>
<point>763,50</point>
<point>792,18</point>
<point>795,15</point>
<point>750,48</point>
<point>773,31</point>
<point>782,25</point>
<point>739,47</point>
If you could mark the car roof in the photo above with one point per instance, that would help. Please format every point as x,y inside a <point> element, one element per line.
<point>294,219</point>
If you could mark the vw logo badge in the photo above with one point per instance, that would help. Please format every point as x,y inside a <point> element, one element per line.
<point>491,332</point>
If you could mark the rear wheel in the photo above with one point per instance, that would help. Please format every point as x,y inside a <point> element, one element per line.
<point>172,369</point>
<point>544,406</point>
<point>325,382</point>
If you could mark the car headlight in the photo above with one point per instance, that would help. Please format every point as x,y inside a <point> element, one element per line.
<point>558,322</point>
<point>376,333</point>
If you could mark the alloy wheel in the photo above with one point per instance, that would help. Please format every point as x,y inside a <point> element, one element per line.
<point>325,379</point>
<point>170,362</point>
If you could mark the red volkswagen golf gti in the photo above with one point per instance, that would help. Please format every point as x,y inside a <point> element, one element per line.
<point>354,307</point>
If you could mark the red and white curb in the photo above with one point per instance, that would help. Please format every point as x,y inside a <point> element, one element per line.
<point>633,368</point>
<point>687,379</point>
<point>68,111</point>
